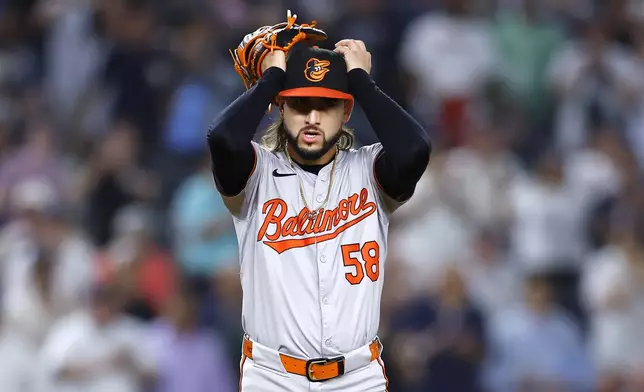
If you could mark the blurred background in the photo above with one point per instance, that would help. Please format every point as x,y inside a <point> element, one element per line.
<point>517,266</point>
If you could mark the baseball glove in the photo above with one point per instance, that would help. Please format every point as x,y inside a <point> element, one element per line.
<point>250,53</point>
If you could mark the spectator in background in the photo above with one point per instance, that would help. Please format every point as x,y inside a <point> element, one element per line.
<point>492,278</point>
<point>43,224</point>
<point>139,73</point>
<point>27,315</point>
<point>547,233</point>
<point>526,39</point>
<point>207,252</point>
<point>526,42</point>
<point>599,169</point>
<point>19,65</point>
<point>451,58</point>
<point>595,81</point>
<point>145,273</point>
<point>478,175</point>
<point>28,309</point>
<point>204,235</point>
<point>38,158</point>
<point>75,48</point>
<point>612,182</point>
<point>441,341</point>
<point>426,236</point>
<point>114,179</point>
<point>199,95</point>
<point>188,357</point>
<point>536,346</point>
<point>612,289</point>
<point>97,349</point>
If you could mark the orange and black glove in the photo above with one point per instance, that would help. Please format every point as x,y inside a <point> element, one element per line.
<point>250,53</point>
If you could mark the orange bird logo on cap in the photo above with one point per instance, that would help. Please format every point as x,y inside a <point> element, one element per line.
<point>316,69</point>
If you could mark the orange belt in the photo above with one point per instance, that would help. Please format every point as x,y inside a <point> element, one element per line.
<point>315,370</point>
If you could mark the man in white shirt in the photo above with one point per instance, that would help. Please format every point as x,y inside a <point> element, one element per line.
<point>40,221</point>
<point>591,76</point>
<point>97,349</point>
<point>612,292</point>
<point>451,57</point>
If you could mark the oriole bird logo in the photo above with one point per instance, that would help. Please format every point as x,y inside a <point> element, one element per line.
<point>316,69</point>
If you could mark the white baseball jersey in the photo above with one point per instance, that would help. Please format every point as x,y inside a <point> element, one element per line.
<point>312,287</point>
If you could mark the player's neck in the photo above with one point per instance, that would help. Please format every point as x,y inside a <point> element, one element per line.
<point>323,160</point>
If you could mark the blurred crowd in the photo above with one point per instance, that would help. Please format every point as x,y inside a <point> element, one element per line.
<point>518,265</point>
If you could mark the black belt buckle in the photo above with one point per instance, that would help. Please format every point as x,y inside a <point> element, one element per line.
<point>323,361</point>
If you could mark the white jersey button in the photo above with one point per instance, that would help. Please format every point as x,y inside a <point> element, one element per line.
<point>323,258</point>
<point>320,198</point>
<point>328,342</point>
<point>325,300</point>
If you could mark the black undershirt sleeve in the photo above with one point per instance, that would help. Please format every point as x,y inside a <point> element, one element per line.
<point>406,147</point>
<point>231,133</point>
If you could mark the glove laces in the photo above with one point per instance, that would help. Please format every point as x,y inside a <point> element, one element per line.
<point>290,22</point>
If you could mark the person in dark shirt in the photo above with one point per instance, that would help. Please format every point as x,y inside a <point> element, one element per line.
<point>441,340</point>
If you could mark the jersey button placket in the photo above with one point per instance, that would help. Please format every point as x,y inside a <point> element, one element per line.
<point>322,271</point>
<point>325,267</point>
<point>321,189</point>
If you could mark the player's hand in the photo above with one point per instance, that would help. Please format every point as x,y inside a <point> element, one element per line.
<point>355,54</point>
<point>275,59</point>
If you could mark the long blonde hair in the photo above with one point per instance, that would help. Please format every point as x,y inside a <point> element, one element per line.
<point>275,136</point>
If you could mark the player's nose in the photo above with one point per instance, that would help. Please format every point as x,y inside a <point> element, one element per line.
<point>313,117</point>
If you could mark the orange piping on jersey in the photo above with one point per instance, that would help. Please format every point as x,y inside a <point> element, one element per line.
<point>351,210</point>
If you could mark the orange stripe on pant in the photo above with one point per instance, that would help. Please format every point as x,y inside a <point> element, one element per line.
<point>384,373</point>
<point>241,371</point>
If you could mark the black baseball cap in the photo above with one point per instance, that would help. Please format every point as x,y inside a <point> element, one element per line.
<point>315,72</point>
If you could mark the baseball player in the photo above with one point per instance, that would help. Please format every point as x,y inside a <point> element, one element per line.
<point>310,212</point>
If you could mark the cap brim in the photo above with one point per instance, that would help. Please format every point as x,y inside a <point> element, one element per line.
<point>321,92</point>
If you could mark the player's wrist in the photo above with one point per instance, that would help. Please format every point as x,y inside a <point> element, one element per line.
<point>273,71</point>
<point>275,77</point>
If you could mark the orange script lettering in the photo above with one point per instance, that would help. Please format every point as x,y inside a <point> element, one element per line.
<point>278,230</point>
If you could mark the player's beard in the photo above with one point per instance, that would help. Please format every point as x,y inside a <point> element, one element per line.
<point>312,154</point>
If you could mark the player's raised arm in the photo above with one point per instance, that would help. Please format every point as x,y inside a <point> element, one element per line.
<point>231,133</point>
<point>406,146</point>
<point>260,60</point>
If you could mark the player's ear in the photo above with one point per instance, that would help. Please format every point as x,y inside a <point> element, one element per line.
<point>348,109</point>
<point>279,102</point>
